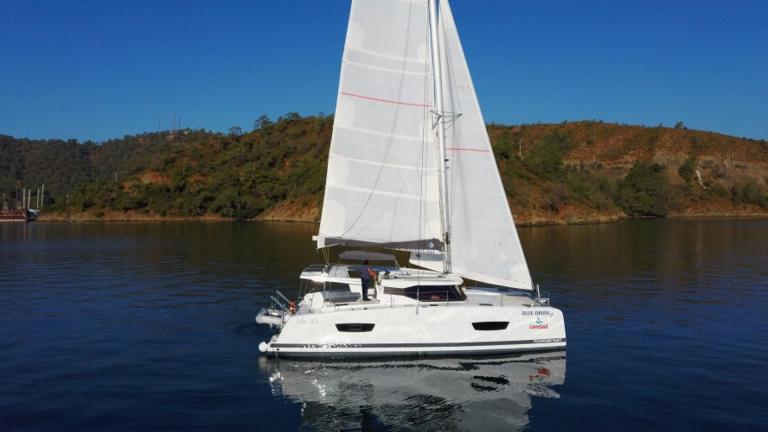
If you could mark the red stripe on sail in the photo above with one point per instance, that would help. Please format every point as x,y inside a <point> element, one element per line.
<point>467,149</point>
<point>375,99</point>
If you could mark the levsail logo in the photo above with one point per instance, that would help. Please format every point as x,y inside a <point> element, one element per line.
<point>538,325</point>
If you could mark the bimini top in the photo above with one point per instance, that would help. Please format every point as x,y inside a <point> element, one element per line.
<point>366,256</point>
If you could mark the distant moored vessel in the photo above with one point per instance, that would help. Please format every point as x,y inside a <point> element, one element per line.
<point>25,213</point>
<point>18,215</point>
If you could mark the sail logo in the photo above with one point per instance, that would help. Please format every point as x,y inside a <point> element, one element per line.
<point>538,325</point>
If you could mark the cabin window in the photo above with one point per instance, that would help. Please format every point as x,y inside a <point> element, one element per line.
<point>354,327</point>
<point>428,293</point>
<point>336,286</point>
<point>490,325</point>
<point>325,286</point>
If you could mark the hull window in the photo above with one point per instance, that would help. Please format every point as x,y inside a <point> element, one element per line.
<point>354,327</point>
<point>490,325</point>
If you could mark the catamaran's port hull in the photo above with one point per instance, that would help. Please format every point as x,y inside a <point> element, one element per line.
<point>418,353</point>
<point>438,330</point>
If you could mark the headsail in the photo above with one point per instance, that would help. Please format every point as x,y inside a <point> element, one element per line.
<point>382,183</point>
<point>484,242</point>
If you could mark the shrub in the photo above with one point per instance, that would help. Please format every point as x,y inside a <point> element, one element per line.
<point>546,157</point>
<point>749,192</point>
<point>644,191</point>
<point>687,170</point>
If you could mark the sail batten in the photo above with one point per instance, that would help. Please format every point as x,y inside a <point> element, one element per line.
<point>378,163</point>
<point>414,139</point>
<point>380,192</point>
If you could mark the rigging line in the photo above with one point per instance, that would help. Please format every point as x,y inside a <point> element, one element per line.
<point>394,123</point>
<point>437,130</point>
<point>440,118</point>
<point>404,184</point>
<point>326,255</point>
<point>422,172</point>
<point>455,128</point>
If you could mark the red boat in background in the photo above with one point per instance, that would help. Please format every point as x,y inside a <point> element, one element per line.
<point>18,215</point>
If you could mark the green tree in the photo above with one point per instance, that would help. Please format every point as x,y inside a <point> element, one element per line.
<point>749,192</point>
<point>262,122</point>
<point>546,157</point>
<point>644,191</point>
<point>687,170</point>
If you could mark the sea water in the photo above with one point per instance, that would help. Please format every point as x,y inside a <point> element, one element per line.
<point>149,326</point>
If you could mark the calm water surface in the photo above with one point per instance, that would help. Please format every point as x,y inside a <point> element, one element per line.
<point>150,327</point>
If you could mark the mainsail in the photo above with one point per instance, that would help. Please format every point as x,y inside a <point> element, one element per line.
<point>383,173</point>
<point>382,183</point>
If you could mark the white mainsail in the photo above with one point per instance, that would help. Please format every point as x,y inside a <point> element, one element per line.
<point>383,172</point>
<point>382,184</point>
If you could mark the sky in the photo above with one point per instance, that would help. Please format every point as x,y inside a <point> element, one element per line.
<point>106,68</point>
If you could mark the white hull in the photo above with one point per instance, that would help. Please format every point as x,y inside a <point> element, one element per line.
<point>436,329</point>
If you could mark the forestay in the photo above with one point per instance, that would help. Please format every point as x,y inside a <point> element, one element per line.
<point>382,183</point>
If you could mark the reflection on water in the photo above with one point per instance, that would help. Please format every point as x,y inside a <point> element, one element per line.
<point>428,394</point>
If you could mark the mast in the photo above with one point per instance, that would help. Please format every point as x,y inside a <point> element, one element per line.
<point>439,125</point>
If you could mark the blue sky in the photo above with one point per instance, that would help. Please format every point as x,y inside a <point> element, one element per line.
<point>103,69</point>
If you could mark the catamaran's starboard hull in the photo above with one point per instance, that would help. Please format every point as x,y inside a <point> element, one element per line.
<point>438,330</point>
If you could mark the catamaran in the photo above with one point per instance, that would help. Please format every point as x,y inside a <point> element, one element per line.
<point>411,169</point>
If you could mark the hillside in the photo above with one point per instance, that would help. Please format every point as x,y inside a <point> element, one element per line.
<point>553,173</point>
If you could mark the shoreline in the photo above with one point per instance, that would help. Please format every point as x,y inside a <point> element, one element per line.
<point>127,217</point>
<point>521,220</point>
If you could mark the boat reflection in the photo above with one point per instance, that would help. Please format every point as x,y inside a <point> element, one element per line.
<point>426,394</point>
